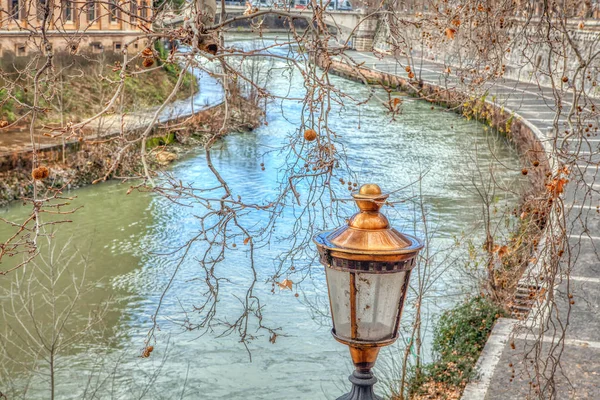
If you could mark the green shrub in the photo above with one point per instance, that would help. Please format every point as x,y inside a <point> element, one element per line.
<point>459,337</point>
<point>160,140</point>
<point>8,107</point>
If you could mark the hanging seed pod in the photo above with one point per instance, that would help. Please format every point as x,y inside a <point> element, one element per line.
<point>40,173</point>
<point>310,135</point>
<point>147,52</point>
<point>148,62</point>
<point>146,352</point>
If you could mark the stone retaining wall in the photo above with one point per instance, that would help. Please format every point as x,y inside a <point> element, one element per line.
<point>527,139</point>
<point>532,145</point>
<point>49,153</point>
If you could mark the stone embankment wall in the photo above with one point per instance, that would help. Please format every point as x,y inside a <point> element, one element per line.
<point>51,153</point>
<point>522,134</point>
<point>99,157</point>
<point>83,162</point>
<point>531,145</point>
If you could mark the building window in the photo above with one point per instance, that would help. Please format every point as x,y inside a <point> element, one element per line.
<point>20,50</point>
<point>41,9</point>
<point>68,11</point>
<point>96,47</point>
<point>133,11</point>
<point>14,9</point>
<point>114,11</point>
<point>144,9</point>
<point>117,46</point>
<point>91,11</point>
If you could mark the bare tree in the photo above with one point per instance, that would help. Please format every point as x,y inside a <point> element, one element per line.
<point>41,323</point>
<point>474,43</point>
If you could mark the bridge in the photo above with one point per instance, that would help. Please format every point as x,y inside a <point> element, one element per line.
<point>343,22</point>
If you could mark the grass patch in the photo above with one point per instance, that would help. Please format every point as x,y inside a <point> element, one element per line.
<point>160,140</point>
<point>80,86</point>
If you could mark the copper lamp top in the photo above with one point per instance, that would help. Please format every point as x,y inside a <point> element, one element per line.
<point>368,232</point>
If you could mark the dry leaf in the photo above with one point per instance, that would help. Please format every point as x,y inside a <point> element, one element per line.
<point>286,284</point>
<point>450,33</point>
<point>502,251</point>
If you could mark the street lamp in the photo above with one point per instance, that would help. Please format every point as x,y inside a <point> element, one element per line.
<point>367,266</point>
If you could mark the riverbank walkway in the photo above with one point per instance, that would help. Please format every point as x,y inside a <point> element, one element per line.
<point>503,370</point>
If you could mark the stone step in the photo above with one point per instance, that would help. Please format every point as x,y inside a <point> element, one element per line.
<point>525,297</point>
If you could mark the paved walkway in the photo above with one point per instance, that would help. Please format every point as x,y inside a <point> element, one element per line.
<point>504,374</point>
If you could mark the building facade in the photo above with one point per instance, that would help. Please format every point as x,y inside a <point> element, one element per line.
<point>73,26</point>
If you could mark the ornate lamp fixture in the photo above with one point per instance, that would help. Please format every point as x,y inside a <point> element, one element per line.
<point>367,265</point>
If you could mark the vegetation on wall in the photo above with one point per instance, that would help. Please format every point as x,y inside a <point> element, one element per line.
<point>459,338</point>
<point>74,98</point>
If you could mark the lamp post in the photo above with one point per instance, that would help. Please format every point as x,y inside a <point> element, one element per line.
<point>367,266</point>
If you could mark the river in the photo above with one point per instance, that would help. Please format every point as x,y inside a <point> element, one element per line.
<point>122,238</point>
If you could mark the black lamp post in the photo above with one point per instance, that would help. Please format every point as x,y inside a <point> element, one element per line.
<point>367,265</point>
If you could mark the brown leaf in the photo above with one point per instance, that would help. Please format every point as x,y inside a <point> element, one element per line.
<point>502,251</point>
<point>286,284</point>
<point>450,33</point>
<point>273,338</point>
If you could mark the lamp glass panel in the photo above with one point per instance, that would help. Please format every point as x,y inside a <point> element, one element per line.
<point>338,284</point>
<point>377,302</point>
